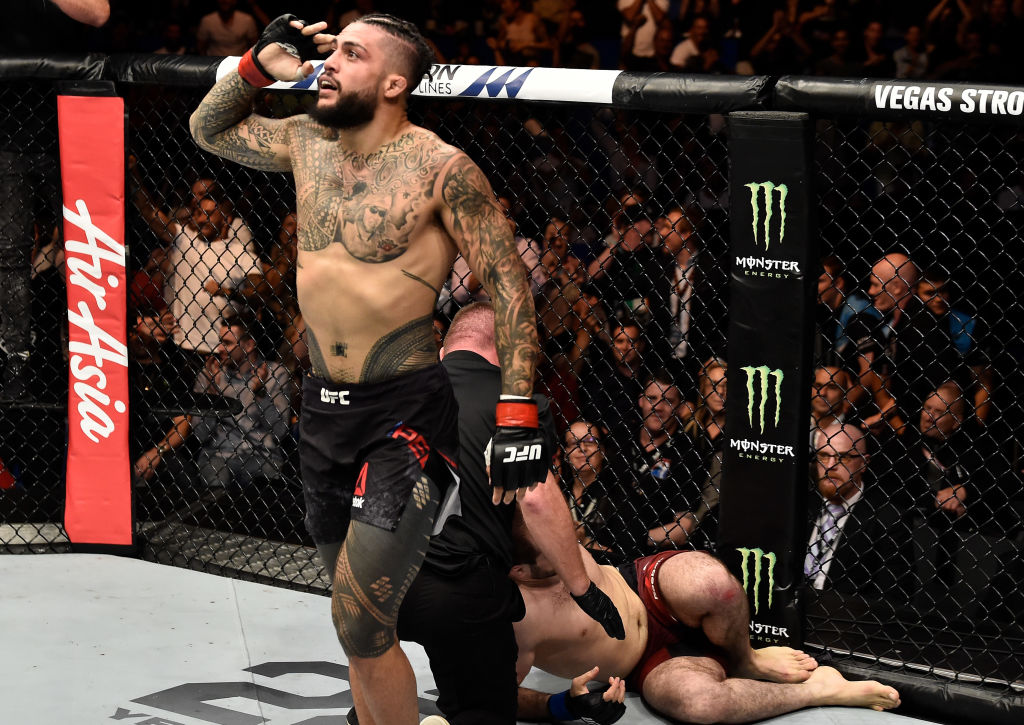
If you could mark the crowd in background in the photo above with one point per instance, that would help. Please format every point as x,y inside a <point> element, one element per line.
<point>923,39</point>
<point>623,235</point>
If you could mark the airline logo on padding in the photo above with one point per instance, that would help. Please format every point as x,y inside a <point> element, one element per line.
<point>511,85</point>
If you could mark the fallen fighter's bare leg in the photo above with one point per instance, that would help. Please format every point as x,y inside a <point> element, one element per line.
<point>696,689</point>
<point>701,592</point>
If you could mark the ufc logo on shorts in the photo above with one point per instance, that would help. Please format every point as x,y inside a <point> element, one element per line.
<point>526,453</point>
<point>340,397</point>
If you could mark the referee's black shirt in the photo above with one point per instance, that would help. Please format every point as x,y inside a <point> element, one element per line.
<point>483,531</point>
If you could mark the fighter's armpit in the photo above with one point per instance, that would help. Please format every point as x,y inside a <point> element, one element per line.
<point>224,125</point>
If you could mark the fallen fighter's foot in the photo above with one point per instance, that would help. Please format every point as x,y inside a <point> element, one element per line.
<point>831,688</point>
<point>777,664</point>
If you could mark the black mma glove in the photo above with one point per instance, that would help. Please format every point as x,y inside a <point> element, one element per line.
<point>519,455</point>
<point>590,707</point>
<point>290,39</point>
<point>600,608</point>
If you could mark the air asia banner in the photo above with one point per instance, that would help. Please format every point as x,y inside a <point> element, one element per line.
<point>774,263</point>
<point>92,148</point>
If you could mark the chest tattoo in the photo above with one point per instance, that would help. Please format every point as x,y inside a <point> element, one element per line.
<point>370,204</point>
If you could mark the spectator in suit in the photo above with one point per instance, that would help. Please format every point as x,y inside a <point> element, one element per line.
<point>853,543</point>
<point>939,466</point>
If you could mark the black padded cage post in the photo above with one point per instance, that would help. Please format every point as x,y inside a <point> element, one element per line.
<point>774,267</point>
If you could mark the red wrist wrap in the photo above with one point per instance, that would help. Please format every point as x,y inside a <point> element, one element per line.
<point>250,73</point>
<point>516,415</point>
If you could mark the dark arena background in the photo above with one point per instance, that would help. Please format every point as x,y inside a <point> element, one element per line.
<point>746,216</point>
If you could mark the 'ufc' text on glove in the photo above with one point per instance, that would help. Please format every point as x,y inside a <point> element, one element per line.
<point>519,450</point>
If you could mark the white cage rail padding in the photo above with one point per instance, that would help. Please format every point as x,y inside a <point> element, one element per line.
<point>448,80</point>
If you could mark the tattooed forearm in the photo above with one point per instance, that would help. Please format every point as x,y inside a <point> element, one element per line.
<point>422,281</point>
<point>223,124</point>
<point>485,239</point>
<point>318,365</point>
<point>408,348</point>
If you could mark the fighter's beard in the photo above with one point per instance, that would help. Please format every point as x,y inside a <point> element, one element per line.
<point>348,111</point>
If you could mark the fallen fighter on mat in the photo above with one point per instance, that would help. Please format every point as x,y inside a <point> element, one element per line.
<point>687,648</point>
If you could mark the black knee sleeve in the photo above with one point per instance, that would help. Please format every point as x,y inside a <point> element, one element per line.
<point>374,571</point>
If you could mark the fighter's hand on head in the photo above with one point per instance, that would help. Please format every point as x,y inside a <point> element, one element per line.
<point>600,707</point>
<point>284,50</point>
<point>518,452</point>
<point>602,610</point>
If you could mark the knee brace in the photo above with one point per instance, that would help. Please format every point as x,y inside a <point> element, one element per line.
<point>374,571</point>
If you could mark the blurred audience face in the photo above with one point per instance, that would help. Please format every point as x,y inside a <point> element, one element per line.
<point>674,229</point>
<point>583,450</point>
<point>934,295</point>
<point>659,407</point>
<point>831,288</point>
<point>208,218</point>
<point>873,35</point>
<point>712,388</point>
<point>627,345</point>
<point>913,37</point>
<point>556,237</point>
<point>172,37</point>
<point>226,7</point>
<point>634,235</point>
<point>891,280</point>
<point>699,32</point>
<point>841,459</point>
<point>840,43</point>
<point>942,414</point>
<point>233,348</point>
<point>664,41</point>
<point>828,392</point>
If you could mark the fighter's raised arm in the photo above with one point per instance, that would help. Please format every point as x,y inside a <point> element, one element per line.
<point>484,237</point>
<point>224,124</point>
<point>518,455</point>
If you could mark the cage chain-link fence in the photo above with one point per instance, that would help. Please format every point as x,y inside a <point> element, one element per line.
<point>919,342</point>
<point>33,322</point>
<point>621,219</point>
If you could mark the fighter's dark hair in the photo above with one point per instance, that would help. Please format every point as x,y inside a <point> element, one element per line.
<point>417,55</point>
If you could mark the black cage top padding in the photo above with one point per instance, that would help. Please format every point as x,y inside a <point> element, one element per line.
<point>91,66</point>
<point>885,98</point>
<point>681,93</point>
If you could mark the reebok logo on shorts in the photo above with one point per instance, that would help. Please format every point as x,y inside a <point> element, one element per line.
<point>334,396</point>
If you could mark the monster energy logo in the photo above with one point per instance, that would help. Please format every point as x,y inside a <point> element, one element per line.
<point>759,556</point>
<point>762,374</point>
<point>755,207</point>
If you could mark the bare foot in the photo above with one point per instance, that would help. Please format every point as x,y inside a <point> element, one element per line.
<point>831,688</point>
<point>777,664</point>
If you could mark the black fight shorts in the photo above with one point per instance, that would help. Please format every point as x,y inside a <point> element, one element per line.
<point>363,446</point>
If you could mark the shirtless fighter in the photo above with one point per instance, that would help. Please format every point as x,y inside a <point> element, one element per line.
<point>383,208</point>
<point>687,647</point>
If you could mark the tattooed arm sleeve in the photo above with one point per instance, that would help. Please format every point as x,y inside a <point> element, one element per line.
<point>225,125</point>
<point>482,233</point>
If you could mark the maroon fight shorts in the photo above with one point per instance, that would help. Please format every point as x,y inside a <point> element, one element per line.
<point>667,637</point>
